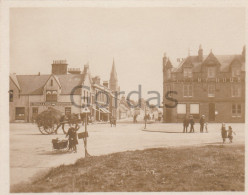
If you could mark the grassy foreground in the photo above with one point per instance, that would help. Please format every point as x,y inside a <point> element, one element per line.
<point>207,168</point>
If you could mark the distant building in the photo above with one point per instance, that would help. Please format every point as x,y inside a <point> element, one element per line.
<point>29,95</point>
<point>212,85</point>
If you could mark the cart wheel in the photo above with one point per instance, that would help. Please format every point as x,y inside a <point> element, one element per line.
<point>51,129</point>
<point>42,130</point>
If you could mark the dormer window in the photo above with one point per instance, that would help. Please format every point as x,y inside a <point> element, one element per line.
<point>187,72</point>
<point>211,72</point>
<point>235,71</point>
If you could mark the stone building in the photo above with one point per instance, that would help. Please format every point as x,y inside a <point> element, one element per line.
<point>65,89</point>
<point>211,85</point>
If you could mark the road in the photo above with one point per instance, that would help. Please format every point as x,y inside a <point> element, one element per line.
<point>31,153</point>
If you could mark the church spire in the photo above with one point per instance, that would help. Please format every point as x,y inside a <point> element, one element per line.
<point>113,75</point>
<point>113,82</point>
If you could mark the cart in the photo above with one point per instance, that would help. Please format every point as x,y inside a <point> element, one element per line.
<point>49,121</point>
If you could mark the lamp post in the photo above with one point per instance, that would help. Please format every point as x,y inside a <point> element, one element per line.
<point>145,116</point>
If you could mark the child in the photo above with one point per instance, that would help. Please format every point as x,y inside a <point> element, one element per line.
<point>206,127</point>
<point>223,132</point>
<point>230,132</point>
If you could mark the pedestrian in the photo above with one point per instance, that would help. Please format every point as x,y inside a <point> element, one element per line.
<point>223,132</point>
<point>192,122</point>
<point>185,124</point>
<point>230,132</point>
<point>73,141</point>
<point>206,127</point>
<point>202,122</point>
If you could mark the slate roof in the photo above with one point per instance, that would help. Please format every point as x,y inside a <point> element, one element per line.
<point>224,60</point>
<point>34,84</point>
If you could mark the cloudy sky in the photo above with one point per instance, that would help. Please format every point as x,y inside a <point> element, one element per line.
<point>136,38</point>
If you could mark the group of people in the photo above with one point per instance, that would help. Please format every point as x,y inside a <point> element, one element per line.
<point>227,133</point>
<point>190,121</point>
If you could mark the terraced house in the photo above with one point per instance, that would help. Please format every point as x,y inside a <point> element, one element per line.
<point>29,95</point>
<point>211,85</point>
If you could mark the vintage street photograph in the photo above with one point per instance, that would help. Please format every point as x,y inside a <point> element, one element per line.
<point>126,99</point>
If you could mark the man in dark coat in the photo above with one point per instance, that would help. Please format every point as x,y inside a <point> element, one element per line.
<point>191,122</point>
<point>202,122</point>
<point>185,124</point>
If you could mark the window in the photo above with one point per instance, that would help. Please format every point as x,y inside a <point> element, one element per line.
<point>11,94</point>
<point>211,72</point>
<point>211,90</point>
<point>67,110</point>
<point>51,82</point>
<point>168,74</point>
<point>187,91</point>
<point>187,72</point>
<point>20,113</point>
<point>181,108</point>
<point>194,109</point>
<point>51,96</point>
<point>236,90</point>
<point>235,72</point>
<point>236,110</point>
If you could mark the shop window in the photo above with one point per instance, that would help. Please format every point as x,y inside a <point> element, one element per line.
<point>194,109</point>
<point>236,110</point>
<point>11,95</point>
<point>51,96</point>
<point>20,113</point>
<point>181,108</point>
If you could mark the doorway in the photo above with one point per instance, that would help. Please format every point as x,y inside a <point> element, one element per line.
<point>211,112</point>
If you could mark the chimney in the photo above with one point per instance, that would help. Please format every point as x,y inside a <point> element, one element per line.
<point>38,73</point>
<point>200,54</point>
<point>59,67</point>
<point>105,84</point>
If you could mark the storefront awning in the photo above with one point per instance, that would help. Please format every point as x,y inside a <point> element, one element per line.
<point>104,110</point>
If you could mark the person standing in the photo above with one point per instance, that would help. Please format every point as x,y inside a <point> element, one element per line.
<point>192,123</point>
<point>223,132</point>
<point>230,132</point>
<point>72,134</point>
<point>185,124</point>
<point>202,122</point>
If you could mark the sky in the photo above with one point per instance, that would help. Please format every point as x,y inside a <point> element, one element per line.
<point>136,38</point>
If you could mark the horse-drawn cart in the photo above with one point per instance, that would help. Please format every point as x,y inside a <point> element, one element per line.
<point>49,121</point>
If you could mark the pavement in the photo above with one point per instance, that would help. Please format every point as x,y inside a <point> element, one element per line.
<point>31,153</point>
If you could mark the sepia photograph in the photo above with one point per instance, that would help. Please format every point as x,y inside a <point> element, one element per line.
<point>126,99</point>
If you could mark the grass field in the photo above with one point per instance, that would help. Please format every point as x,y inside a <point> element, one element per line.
<point>206,168</point>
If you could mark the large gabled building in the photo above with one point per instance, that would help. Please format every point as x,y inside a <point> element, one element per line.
<point>211,85</point>
<point>29,95</point>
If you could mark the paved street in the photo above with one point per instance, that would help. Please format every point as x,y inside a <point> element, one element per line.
<point>31,152</point>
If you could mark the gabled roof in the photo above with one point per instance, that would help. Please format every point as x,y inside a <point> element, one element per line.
<point>223,60</point>
<point>14,79</point>
<point>34,84</point>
